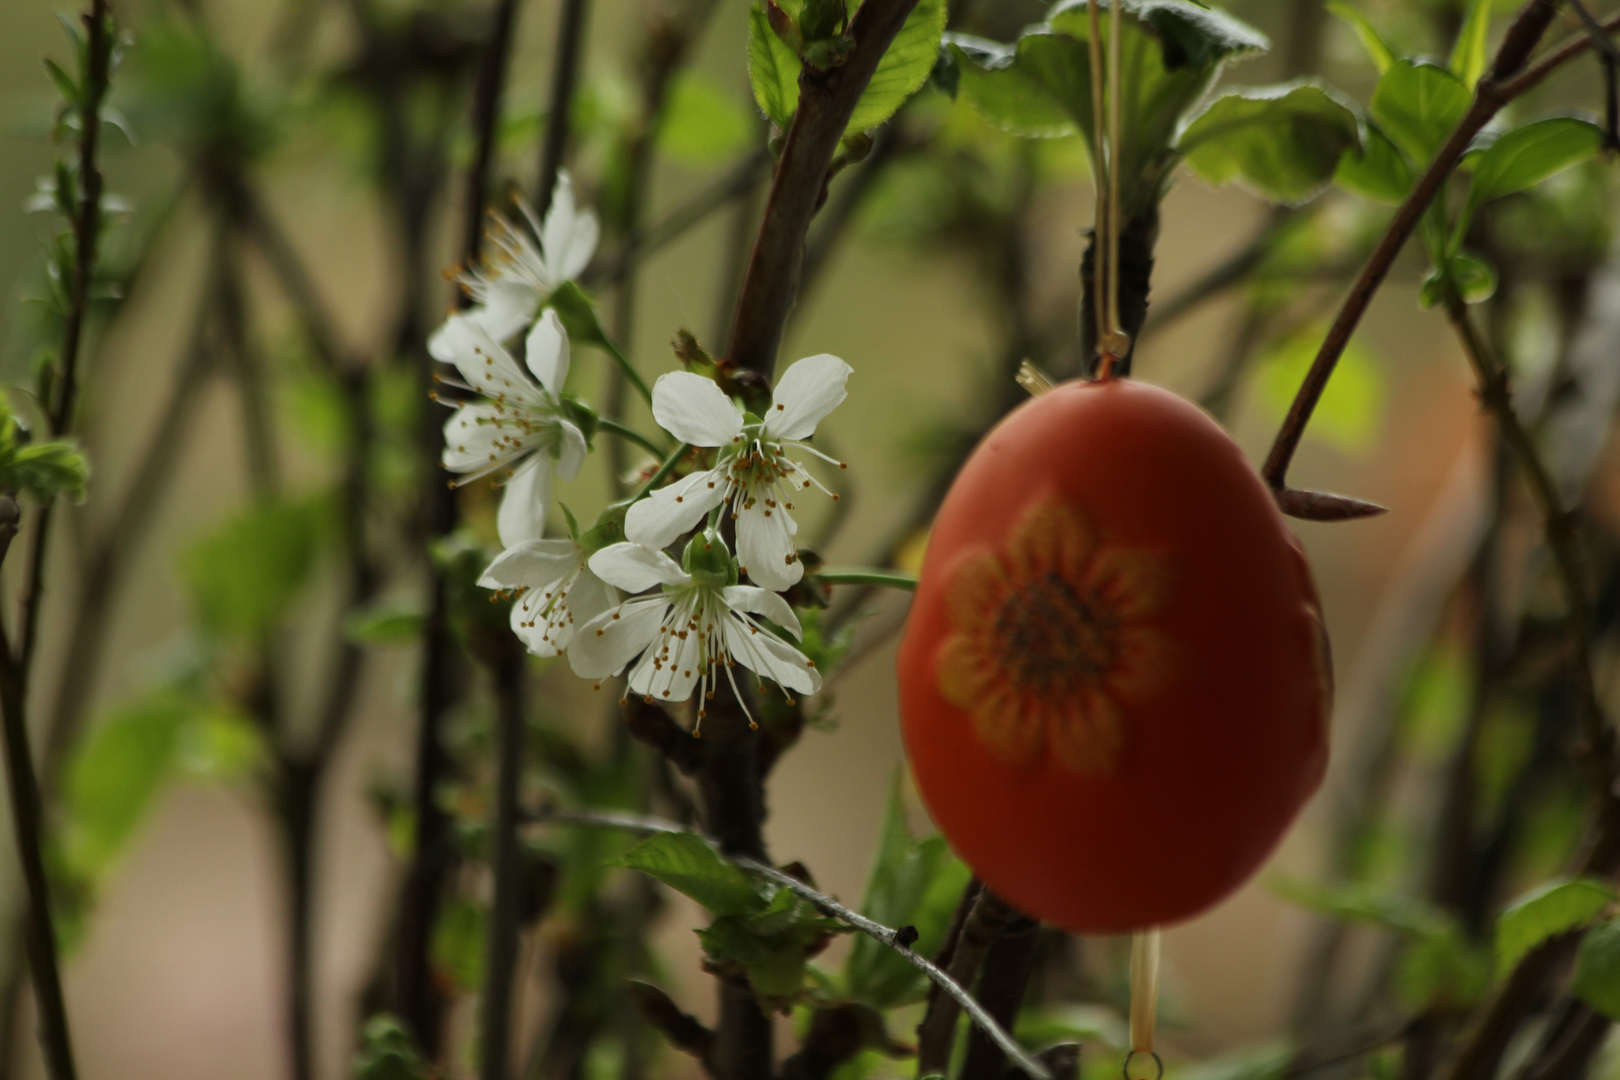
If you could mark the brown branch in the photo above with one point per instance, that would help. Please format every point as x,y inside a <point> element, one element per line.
<point>683,1030</point>
<point>506,665</point>
<point>827,100</point>
<point>1495,90</point>
<point>491,81</point>
<point>560,101</point>
<point>936,1035</point>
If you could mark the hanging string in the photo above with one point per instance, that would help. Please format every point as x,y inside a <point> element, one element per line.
<point>1144,1002</point>
<point>1112,341</point>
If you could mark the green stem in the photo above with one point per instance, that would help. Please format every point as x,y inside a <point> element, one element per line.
<point>629,435</point>
<point>663,472</point>
<point>856,576</point>
<point>629,370</point>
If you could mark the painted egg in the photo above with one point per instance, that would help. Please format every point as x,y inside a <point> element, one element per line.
<point>1114,681</point>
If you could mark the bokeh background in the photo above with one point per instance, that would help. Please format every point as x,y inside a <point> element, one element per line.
<point>178,969</point>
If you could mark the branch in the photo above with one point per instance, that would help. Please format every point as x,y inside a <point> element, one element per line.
<point>985,921</point>
<point>485,116</point>
<point>507,670</point>
<point>886,936</point>
<point>827,100</point>
<point>564,79</point>
<point>1494,90</point>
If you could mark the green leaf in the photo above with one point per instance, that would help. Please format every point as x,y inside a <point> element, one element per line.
<point>65,84</point>
<point>1419,105</point>
<point>1440,971</point>
<point>48,469</point>
<point>387,1052</point>
<point>912,883</point>
<point>1005,95</point>
<point>1553,909</point>
<point>1347,417</point>
<point>685,862</point>
<point>1282,142</point>
<point>773,70</point>
<point>244,576</point>
<point>702,123</point>
<point>1597,969</point>
<point>903,69</point>
<point>1472,277</point>
<point>458,945</point>
<point>1528,155</point>
<point>1378,52</point>
<point>112,779</point>
<point>1355,902</point>
<point>1468,53</point>
<point>1378,173</point>
<point>395,621</point>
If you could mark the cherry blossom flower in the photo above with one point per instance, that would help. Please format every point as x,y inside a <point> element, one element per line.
<point>752,471</point>
<point>554,591</point>
<point>696,624</point>
<point>519,425</point>
<point>521,273</point>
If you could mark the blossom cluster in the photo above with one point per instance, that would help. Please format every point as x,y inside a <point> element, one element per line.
<point>611,597</point>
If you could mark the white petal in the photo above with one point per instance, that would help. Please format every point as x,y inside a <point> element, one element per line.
<point>765,546</point>
<point>570,449</point>
<point>546,352</point>
<point>671,677</point>
<point>589,596</point>
<point>508,306</point>
<point>535,564</point>
<point>634,568</point>
<point>762,602</point>
<point>538,638</point>
<point>470,436</point>
<point>765,654</point>
<point>670,511</point>
<point>805,393</point>
<point>488,367</point>
<point>695,410</point>
<point>522,515</point>
<point>558,230</point>
<point>603,646</point>
<point>581,246</point>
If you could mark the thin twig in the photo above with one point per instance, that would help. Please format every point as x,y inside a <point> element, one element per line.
<point>1497,396</point>
<point>485,120</point>
<point>883,935</point>
<point>1494,91</point>
<point>560,101</point>
<point>507,670</point>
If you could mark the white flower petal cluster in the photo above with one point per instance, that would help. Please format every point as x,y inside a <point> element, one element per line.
<point>687,632</point>
<point>521,273</point>
<point>752,471</point>
<point>519,422</point>
<point>684,626</point>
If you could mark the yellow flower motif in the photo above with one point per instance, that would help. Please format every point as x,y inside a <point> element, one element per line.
<point>1050,641</point>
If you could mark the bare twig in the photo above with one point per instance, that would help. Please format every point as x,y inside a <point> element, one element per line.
<point>560,102</point>
<point>507,669</point>
<point>936,1035</point>
<point>883,935</point>
<point>1503,83</point>
<point>485,118</point>
<point>827,100</point>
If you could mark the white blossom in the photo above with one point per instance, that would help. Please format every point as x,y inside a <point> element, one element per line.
<point>752,471</point>
<point>521,273</point>
<point>519,425</point>
<point>554,591</point>
<point>680,637</point>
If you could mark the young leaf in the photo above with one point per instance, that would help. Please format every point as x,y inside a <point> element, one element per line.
<point>1472,277</point>
<point>1377,51</point>
<point>912,883</point>
<point>114,776</point>
<point>1597,969</point>
<point>773,70</point>
<point>903,69</point>
<point>245,575</point>
<point>1468,54</point>
<point>386,622</point>
<point>1418,105</point>
<point>703,124</point>
<point>1283,142</point>
<point>387,1052</point>
<point>1003,93</point>
<point>685,862</point>
<point>46,470</point>
<point>458,945</point>
<point>1528,155</point>
<point>1552,909</point>
<point>1378,173</point>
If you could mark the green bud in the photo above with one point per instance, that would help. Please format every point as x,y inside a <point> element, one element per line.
<point>609,529</point>
<point>708,561</point>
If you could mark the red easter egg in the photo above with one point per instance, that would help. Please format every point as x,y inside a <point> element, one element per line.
<point>1114,682</point>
